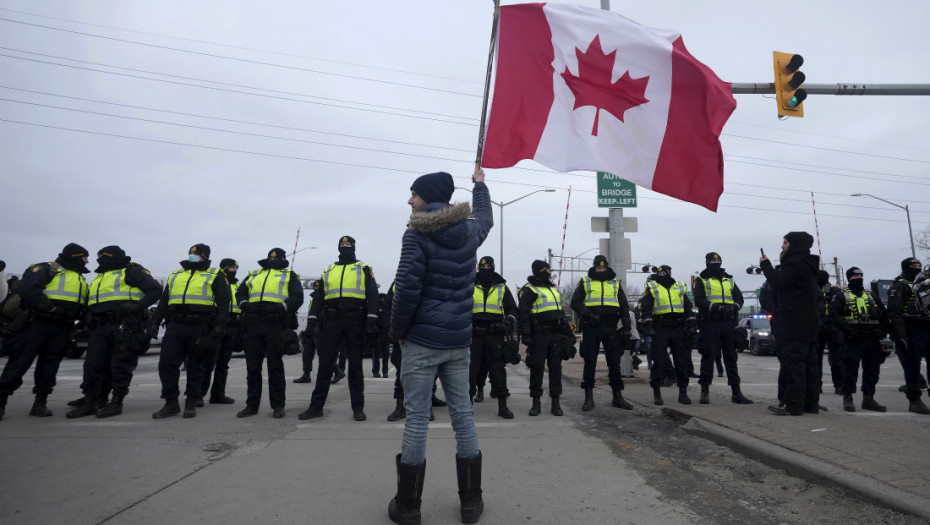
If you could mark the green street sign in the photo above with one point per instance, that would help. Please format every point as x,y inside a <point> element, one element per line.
<point>614,192</point>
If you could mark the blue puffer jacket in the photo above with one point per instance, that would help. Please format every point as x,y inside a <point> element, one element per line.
<point>433,290</point>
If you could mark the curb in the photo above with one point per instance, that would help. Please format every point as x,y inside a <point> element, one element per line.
<point>806,467</point>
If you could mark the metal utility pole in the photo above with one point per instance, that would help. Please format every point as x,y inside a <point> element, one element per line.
<point>839,88</point>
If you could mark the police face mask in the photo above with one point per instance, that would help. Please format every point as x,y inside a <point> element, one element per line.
<point>856,283</point>
<point>194,258</point>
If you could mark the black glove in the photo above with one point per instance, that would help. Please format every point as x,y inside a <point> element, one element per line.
<point>154,326</point>
<point>218,332</point>
<point>511,323</point>
<point>289,342</point>
<point>311,325</point>
<point>371,327</point>
<point>568,348</point>
<point>205,347</point>
<point>527,339</point>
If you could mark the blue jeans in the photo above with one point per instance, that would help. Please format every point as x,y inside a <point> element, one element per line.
<point>419,368</point>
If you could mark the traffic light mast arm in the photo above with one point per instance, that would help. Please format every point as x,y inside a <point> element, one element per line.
<point>836,89</point>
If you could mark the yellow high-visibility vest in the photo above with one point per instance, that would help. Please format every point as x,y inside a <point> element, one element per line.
<point>344,280</point>
<point>671,300</point>
<point>547,299</point>
<point>112,286</point>
<point>233,305</point>
<point>718,290</point>
<point>68,286</point>
<point>493,303</point>
<point>856,306</point>
<point>268,286</point>
<point>601,293</point>
<point>192,287</point>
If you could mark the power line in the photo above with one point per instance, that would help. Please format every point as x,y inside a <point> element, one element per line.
<point>828,149</point>
<point>831,173</point>
<point>244,48</point>
<point>231,90</point>
<point>827,135</point>
<point>348,164</point>
<point>830,167</point>
<point>243,60</point>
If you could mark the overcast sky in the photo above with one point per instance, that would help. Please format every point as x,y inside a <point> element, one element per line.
<point>158,125</point>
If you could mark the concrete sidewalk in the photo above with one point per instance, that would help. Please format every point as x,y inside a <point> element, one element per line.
<point>879,460</point>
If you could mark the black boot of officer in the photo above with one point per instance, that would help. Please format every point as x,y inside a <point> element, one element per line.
<point>618,401</point>
<point>588,404</point>
<point>171,408</point>
<point>38,407</point>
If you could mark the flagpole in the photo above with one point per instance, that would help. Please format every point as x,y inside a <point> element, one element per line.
<point>487,84</point>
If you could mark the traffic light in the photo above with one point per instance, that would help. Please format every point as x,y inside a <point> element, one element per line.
<point>754,270</point>
<point>788,81</point>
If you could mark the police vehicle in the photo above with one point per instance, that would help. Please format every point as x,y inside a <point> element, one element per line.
<point>754,333</point>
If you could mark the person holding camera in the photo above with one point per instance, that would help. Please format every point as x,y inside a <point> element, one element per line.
<point>719,300</point>
<point>269,300</point>
<point>493,316</point>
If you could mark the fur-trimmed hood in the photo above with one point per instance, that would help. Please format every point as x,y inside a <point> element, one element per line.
<point>443,222</point>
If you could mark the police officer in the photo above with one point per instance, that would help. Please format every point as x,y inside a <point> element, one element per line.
<point>55,295</point>
<point>120,296</point>
<point>667,308</point>
<point>600,301</point>
<point>381,348</point>
<point>310,337</point>
<point>718,300</point>
<point>910,320</point>
<point>350,300</point>
<point>195,305</point>
<point>863,329</point>
<point>542,327</point>
<point>493,314</point>
<point>232,342</point>
<point>830,334</point>
<point>269,299</point>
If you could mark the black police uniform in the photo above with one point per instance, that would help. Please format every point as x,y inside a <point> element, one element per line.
<point>192,333</point>
<point>310,337</point>
<point>911,331</point>
<point>830,336</point>
<point>599,327</point>
<point>862,334</point>
<point>487,339</point>
<point>671,332</point>
<point>116,327</point>
<point>542,334</point>
<point>265,321</point>
<point>45,337</point>
<point>717,320</point>
<point>345,320</point>
<point>217,370</point>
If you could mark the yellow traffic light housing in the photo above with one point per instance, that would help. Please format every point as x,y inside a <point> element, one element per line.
<point>788,81</point>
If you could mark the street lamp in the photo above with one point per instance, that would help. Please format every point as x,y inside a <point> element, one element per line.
<point>906,210</point>
<point>501,205</point>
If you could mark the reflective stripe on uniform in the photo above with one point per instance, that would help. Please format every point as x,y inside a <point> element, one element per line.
<point>718,290</point>
<point>112,286</point>
<point>191,287</point>
<point>603,293</point>
<point>344,280</point>
<point>672,301</point>
<point>492,303</point>
<point>67,285</point>
<point>258,283</point>
<point>547,299</point>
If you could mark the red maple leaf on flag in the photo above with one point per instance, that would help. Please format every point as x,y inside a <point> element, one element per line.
<point>592,86</point>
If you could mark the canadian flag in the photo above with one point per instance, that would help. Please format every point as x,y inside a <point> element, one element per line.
<point>586,89</point>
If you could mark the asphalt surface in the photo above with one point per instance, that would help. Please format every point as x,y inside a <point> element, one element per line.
<point>216,468</point>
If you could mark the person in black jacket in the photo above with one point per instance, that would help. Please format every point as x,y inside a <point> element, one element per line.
<point>667,308</point>
<point>493,314</point>
<point>269,299</point>
<point>120,297</point>
<point>601,302</point>
<point>195,305</point>
<point>719,300</point>
<point>310,337</point>
<point>54,295</point>
<point>795,288</point>
<point>831,335</point>
<point>910,322</point>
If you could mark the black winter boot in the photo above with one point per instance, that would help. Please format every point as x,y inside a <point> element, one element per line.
<point>38,407</point>
<point>190,407</point>
<point>536,408</point>
<point>502,410</point>
<point>869,403</point>
<point>556,408</point>
<point>469,477</point>
<point>76,402</point>
<point>705,395</point>
<point>405,506</point>
<point>171,408</point>
<point>618,400</point>
<point>738,396</point>
<point>305,378</point>
<point>375,372</point>
<point>113,408</point>
<point>88,408</point>
<point>479,395</point>
<point>399,412</point>
<point>918,407</point>
<point>588,404</point>
<point>848,404</point>
<point>683,395</point>
<point>657,396</point>
<point>3,399</point>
